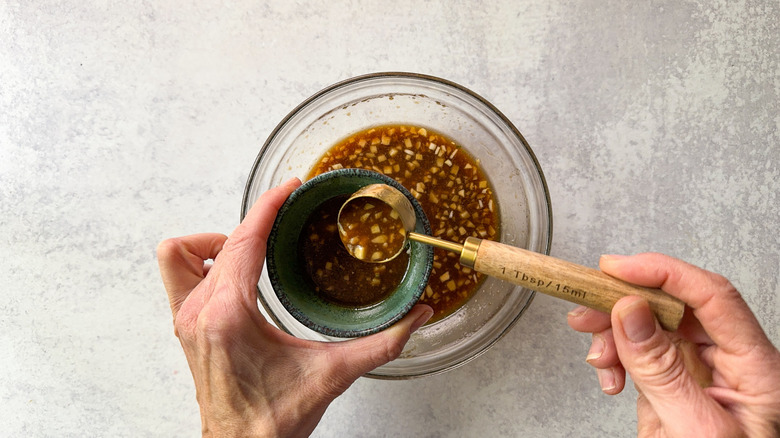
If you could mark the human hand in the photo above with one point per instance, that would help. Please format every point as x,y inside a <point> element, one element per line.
<point>743,398</point>
<point>251,378</point>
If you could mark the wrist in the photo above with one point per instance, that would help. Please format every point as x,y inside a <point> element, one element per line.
<point>247,430</point>
<point>235,426</point>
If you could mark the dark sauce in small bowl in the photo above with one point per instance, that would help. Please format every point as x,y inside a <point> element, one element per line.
<point>337,276</point>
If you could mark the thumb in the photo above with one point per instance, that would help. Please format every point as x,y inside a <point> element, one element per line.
<point>363,355</point>
<point>657,368</point>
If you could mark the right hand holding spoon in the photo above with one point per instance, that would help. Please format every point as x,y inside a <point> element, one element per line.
<point>743,398</point>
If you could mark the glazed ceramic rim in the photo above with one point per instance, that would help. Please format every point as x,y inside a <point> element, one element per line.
<point>420,279</point>
<point>535,170</point>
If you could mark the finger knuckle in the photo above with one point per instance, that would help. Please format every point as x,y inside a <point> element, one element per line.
<point>723,284</point>
<point>390,352</point>
<point>386,348</point>
<point>242,243</point>
<point>238,239</point>
<point>659,366</point>
<point>215,324</point>
<point>168,247</point>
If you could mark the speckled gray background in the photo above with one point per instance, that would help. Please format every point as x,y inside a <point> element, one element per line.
<point>121,124</point>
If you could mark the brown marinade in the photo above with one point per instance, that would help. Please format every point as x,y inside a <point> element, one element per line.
<point>448,182</point>
<point>337,276</point>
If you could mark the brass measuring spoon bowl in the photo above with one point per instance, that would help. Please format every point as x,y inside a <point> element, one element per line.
<point>351,225</point>
<point>535,271</point>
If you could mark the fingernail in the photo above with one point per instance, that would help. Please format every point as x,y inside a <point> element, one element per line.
<point>422,319</point>
<point>606,379</point>
<point>596,348</point>
<point>638,322</point>
<point>578,312</point>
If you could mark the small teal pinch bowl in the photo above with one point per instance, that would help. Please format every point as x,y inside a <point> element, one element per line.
<point>295,290</point>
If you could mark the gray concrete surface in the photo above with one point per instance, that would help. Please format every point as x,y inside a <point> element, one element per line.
<point>656,124</point>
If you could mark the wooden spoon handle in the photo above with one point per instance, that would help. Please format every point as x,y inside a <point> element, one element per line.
<point>571,282</point>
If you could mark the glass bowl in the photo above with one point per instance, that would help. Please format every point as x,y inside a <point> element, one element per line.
<point>353,105</point>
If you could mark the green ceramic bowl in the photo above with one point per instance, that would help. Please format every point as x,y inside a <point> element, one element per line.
<point>288,275</point>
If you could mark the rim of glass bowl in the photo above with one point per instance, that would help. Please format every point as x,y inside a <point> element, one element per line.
<point>470,98</point>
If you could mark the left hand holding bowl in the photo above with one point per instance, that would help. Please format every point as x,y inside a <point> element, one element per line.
<point>250,377</point>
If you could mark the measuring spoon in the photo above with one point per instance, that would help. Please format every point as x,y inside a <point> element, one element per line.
<point>367,233</point>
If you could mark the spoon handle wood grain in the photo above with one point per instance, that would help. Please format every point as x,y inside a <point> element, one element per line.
<point>569,281</point>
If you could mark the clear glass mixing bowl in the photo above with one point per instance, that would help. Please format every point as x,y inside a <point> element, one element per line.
<point>376,99</point>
